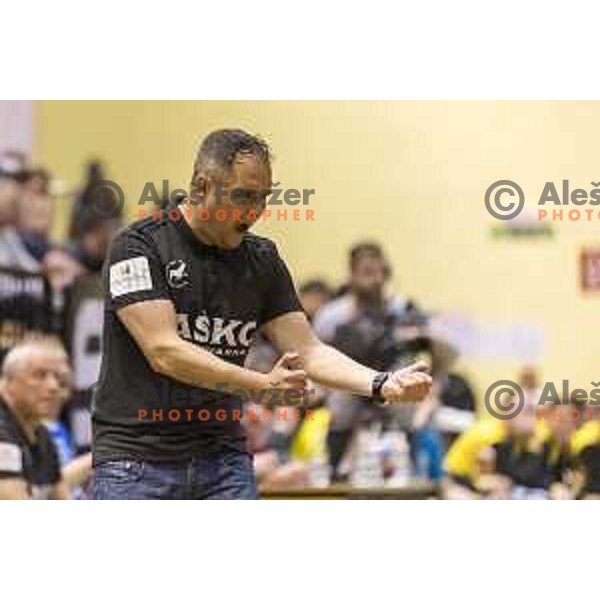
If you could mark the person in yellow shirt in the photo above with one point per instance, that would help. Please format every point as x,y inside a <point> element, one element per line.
<point>500,459</point>
<point>471,457</point>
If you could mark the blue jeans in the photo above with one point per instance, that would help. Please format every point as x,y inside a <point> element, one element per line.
<point>225,476</point>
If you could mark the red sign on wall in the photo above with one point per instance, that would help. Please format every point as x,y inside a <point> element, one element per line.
<point>589,265</point>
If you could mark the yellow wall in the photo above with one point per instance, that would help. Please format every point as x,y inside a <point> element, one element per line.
<point>409,174</point>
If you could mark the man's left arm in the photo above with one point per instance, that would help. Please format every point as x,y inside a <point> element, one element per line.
<point>291,332</point>
<point>323,363</point>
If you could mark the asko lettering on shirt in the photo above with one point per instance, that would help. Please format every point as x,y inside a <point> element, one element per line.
<point>223,337</point>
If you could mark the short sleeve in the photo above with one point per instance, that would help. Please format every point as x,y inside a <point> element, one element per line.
<point>133,272</point>
<point>11,456</point>
<point>280,293</point>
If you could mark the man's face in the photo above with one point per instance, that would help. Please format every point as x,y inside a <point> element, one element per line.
<point>36,212</point>
<point>368,278</point>
<point>235,201</point>
<point>38,386</point>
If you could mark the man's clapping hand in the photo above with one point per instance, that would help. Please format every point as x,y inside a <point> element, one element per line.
<point>411,384</point>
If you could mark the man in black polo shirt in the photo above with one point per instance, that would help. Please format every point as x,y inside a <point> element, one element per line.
<point>185,295</point>
<point>31,381</point>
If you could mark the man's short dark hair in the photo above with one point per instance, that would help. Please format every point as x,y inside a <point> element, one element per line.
<point>365,250</point>
<point>220,149</point>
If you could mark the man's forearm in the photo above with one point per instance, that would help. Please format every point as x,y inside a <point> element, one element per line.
<point>331,368</point>
<point>195,366</point>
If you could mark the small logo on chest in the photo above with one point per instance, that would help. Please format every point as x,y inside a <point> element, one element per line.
<point>177,274</point>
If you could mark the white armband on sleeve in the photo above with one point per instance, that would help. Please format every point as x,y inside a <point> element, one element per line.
<point>11,458</point>
<point>130,275</point>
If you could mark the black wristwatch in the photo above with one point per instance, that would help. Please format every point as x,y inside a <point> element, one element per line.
<point>377,386</point>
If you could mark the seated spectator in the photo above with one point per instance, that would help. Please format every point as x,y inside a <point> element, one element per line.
<point>31,380</point>
<point>585,458</point>
<point>85,198</point>
<point>26,305</point>
<point>36,214</point>
<point>14,253</point>
<point>499,459</point>
<point>91,247</point>
<point>76,470</point>
<point>83,255</point>
<point>563,429</point>
<point>61,436</point>
<point>95,219</point>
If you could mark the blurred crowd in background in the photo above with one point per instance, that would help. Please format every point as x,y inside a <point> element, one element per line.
<point>52,292</point>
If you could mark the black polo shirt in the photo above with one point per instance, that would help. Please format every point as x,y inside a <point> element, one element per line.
<point>36,462</point>
<point>221,297</point>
